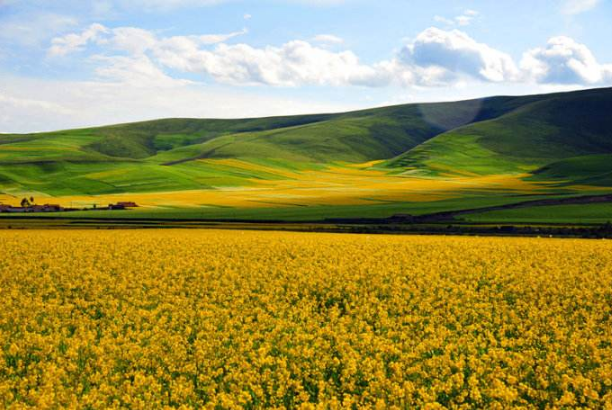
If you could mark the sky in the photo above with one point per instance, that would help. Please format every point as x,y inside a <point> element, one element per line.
<point>77,63</point>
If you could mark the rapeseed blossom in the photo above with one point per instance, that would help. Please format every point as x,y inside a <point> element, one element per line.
<point>234,319</point>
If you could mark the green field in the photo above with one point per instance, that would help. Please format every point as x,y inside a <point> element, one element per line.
<point>416,158</point>
<point>297,214</point>
<point>580,214</point>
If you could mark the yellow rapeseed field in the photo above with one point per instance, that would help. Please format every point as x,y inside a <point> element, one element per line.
<point>345,184</point>
<point>232,319</point>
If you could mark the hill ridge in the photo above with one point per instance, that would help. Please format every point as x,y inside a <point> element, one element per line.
<point>559,138</point>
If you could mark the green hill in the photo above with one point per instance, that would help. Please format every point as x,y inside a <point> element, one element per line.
<point>536,133</point>
<point>562,139</point>
<point>159,155</point>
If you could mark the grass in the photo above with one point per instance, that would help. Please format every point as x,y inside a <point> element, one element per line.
<point>309,213</point>
<point>585,214</point>
<point>535,134</point>
<point>586,170</point>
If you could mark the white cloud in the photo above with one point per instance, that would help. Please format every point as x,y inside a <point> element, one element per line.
<point>578,6</point>
<point>218,38</point>
<point>292,64</point>
<point>565,61</point>
<point>129,39</point>
<point>464,19</point>
<point>247,16</point>
<point>138,71</point>
<point>328,38</point>
<point>74,42</point>
<point>457,53</point>
<point>435,57</point>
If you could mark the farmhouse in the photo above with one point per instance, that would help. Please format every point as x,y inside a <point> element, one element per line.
<point>45,208</point>
<point>128,204</point>
<point>122,205</point>
<point>58,208</point>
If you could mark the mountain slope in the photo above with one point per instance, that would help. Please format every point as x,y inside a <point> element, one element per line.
<point>538,133</point>
<point>373,134</point>
<point>554,137</point>
<point>176,154</point>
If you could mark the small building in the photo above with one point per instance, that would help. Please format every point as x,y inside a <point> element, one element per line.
<point>122,205</point>
<point>32,208</point>
<point>128,204</point>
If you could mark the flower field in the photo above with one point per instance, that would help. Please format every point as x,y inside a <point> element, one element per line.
<point>240,319</point>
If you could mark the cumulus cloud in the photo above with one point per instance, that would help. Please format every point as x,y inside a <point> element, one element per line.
<point>565,61</point>
<point>294,63</point>
<point>435,57</point>
<point>457,53</point>
<point>578,6</point>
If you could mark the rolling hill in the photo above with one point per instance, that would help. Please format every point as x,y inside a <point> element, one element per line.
<point>533,135</point>
<point>392,157</point>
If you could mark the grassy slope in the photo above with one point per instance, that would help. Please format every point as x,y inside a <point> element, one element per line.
<point>536,134</point>
<point>158,155</point>
<point>585,170</point>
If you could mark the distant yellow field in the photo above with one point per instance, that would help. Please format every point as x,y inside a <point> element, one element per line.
<point>232,319</point>
<point>335,185</point>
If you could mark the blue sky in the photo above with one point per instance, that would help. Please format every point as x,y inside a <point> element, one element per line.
<point>71,63</point>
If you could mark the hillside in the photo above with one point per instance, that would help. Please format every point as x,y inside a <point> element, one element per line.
<point>542,144</point>
<point>163,155</point>
<point>534,137</point>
